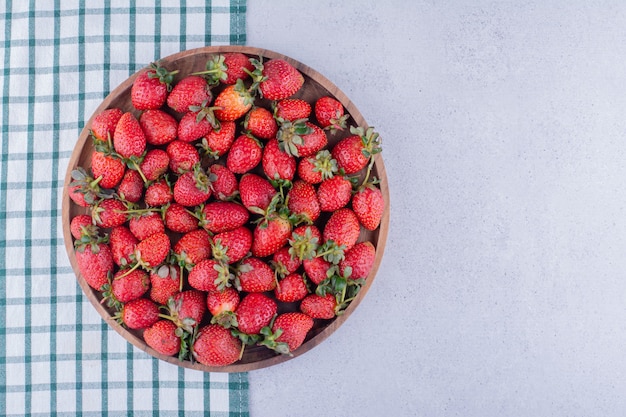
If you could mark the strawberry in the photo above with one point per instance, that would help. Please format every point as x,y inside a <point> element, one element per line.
<point>192,90</point>
<point>216,346</point>
<point>304,242</point>
<point>292,109</point>
<point>131,186</point>
<point>319,307</point>
<point>256,192</point>
<point>233,102</point>
<point>334,193</point>
<point>291,288</point>
<point>153,250</point>
<point>81,225</point>
<point>330,114</point>
<point>159,193</point>
<point>302,201</point>
<point>218,141</point>
<point>151,86</point>
<point>208,275</point>
<point>301,138</point>
<point>109,213</point>
<point>342,228</point>
<point>226,68</point>
<point>122,242</point>
<point>103,124</point>
<point>289,331</point>
<point>276,163</point>
<point>193,125</point>
<point>193,247</point>
<point>154,164</point>
<point>186,309</point>
<point>222,306</point>
<point>316,169</point>
<point>224,184</point>
<point>360,259</point>
<point>139,314</point>
<point>178,219</point>
<point>316,269</point>
<point>128,287</point>
<point>222,216</point>
<point>183,156</point>
<point>192,188</point>
<point>164,283</point>
<point>159,127</point>
<point>254,275</point>
<point>83,189</point>
<point>161,337</point>
<point>146,224</point>
<point>95,263</point>
<point>128,138</point>
<point>283,263</point>
<point>260,123</point>
<point>280,79</point>
<point>254,312</point>
<point>109,168</point>
<point>270,235</point>
<point>231,246</point>
<point>245,154</point>
<point>354,152</point>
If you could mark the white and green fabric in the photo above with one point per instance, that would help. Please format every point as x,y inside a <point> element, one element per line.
<point>59,60</point>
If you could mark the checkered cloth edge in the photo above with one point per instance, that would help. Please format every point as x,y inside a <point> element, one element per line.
<point>60,59</point>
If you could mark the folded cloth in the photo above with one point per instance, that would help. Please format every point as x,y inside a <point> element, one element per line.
<point>60,59</point>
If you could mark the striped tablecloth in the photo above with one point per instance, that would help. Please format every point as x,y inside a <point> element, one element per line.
<point>59,60</point>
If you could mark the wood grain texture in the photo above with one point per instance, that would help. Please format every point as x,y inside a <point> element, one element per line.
<point>315,86</point>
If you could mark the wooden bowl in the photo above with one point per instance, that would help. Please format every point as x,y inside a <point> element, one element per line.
<point>315,86</point>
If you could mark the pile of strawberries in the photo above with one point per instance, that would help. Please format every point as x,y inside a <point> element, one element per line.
<point>218,216</point>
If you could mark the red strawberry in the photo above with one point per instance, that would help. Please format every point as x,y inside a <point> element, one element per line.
<point>95,263</point>
<point>316,269</point>
<point>226,68</point>
<point>276,163</point>
<point>193,126</point>
<point>192,90</point>
<point>291,288</point>
<point>153,250</point>
<point>128,287</point>
<point>81,225</point>
<point>280,79</point>
<point>316,169</point>
<point>131,186</point>
<point>260,123</point>
<point>330,114</point>
<point>304,242</point>
<point>183,156</point>
<point>283,263</point>
<point>369,205</point>
<point>245,154</point>
<point>218,141</point>
<point>342,228</point>
<point>83,189</point>
<point>154,164</point>
<point>360,259</point>
<point>270,235</point>
<point>161,337</point>
<point>294,328</point>
<point>222,216</point>
<point>139,314</point>
<point>334,193</point>
<point>122,243</point>
<point>301,138</point>
<point>354,152</point>
<point>146,224</point>
<point>193,247</point>
<point>292,109</point>
<point>159,193</point>
<point>216,346</point>
<point>103,124</point>
<point>109,213</point>
<point>186,309</point>
<point>208,275</point>
<point>222,306</point>
<point>164,283</point>
<point>178,219</point>
<point>302,201</point>
<point>192,188</point>
<point>233,102</point>
<point>128,138</point>
<point>255,191</point>
<point>159,127</point>
<point>231,246</point>
<point>109,168</point>
<point>254,275</point>
<point>150,88</point>
<point>254,312</point>
<point>319,307</point>
<point>223,182</point>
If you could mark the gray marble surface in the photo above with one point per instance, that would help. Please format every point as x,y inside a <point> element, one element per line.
<point>503,286</point>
